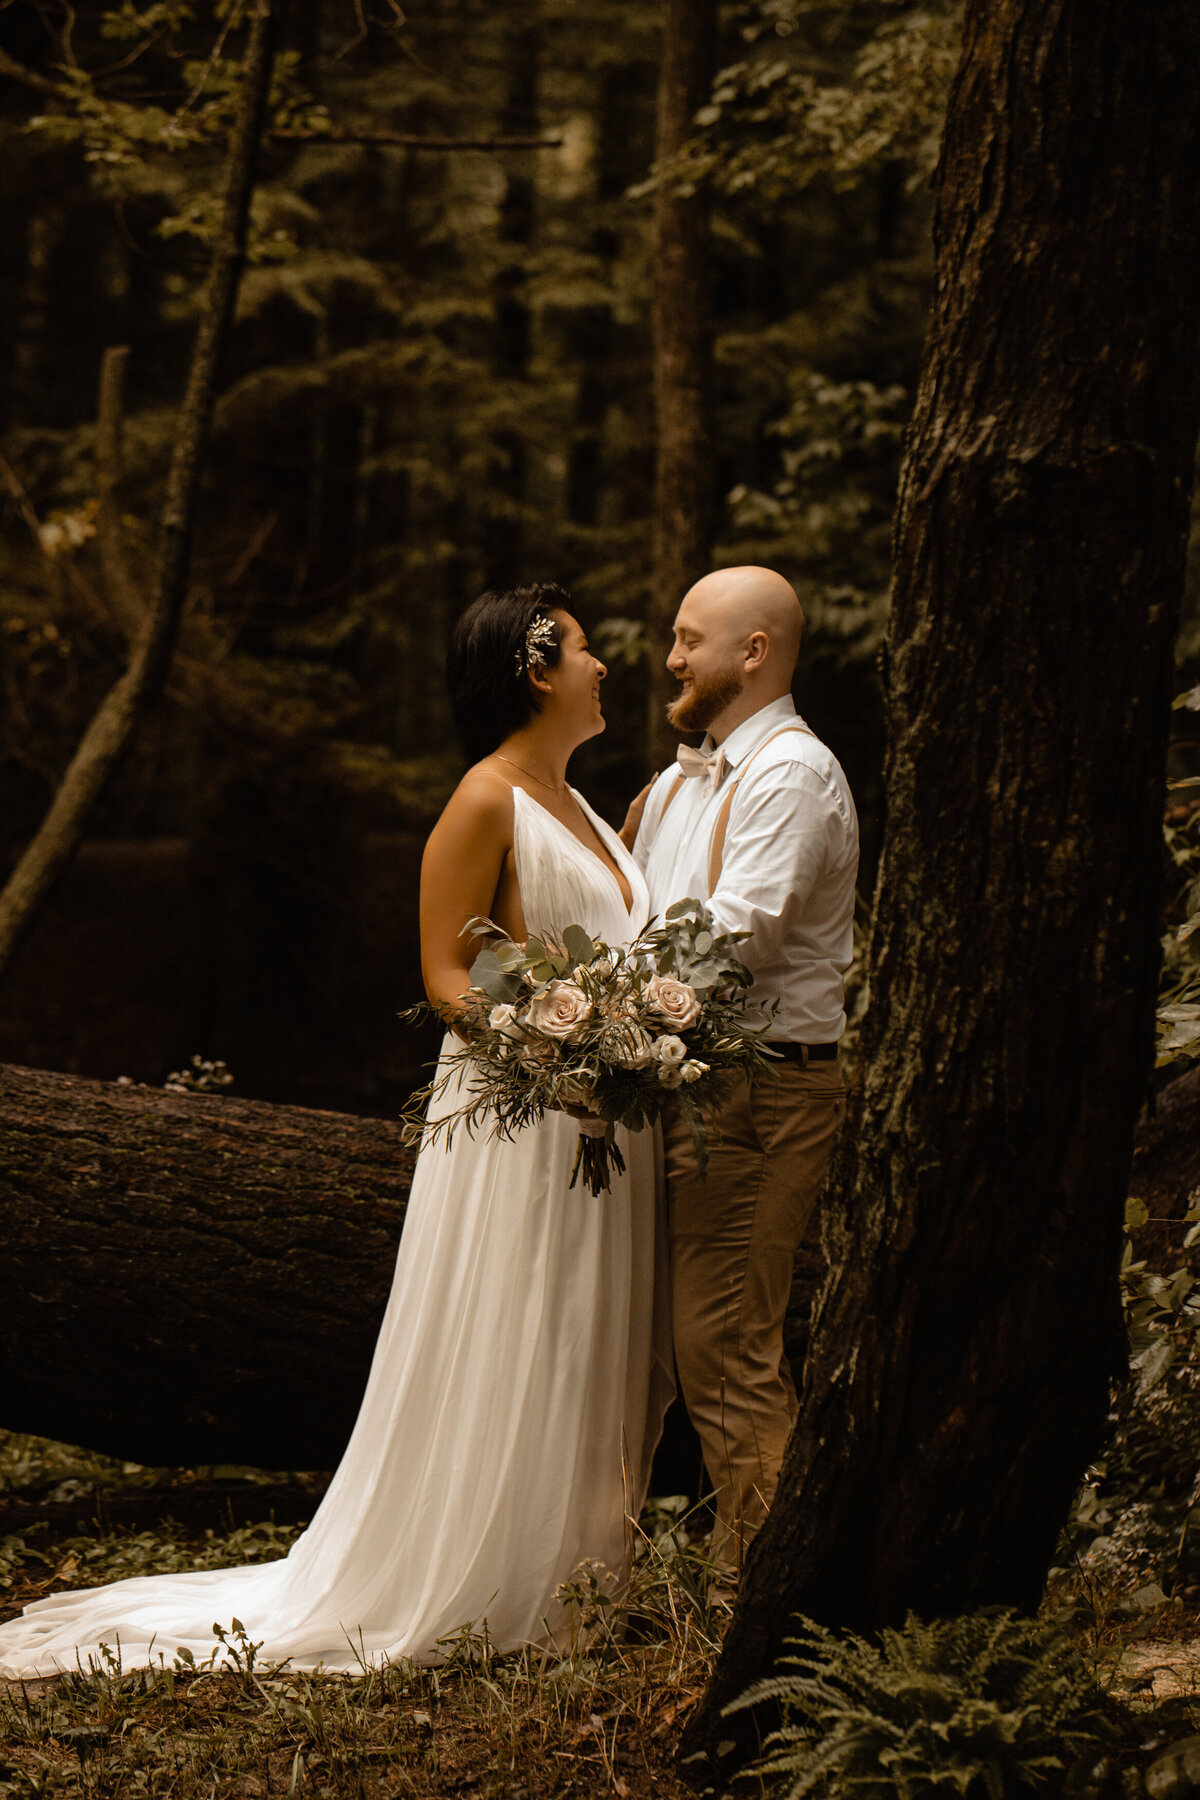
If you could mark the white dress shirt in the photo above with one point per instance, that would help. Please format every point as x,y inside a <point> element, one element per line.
<point>788,867</point>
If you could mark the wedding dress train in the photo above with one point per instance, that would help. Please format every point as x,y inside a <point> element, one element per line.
<point>512,1409</point>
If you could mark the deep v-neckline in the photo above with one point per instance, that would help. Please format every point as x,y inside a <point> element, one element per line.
<point>580,845</point>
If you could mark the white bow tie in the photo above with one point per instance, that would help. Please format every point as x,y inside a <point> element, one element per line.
<point>712,763</point>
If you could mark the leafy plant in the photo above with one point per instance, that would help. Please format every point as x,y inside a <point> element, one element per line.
<point>1161,1311</point>
<point>788,114</point>
<point>1179,986</point>
<point>987,1704</point>
<point>200,1077</point>
<point>1132,1538</point>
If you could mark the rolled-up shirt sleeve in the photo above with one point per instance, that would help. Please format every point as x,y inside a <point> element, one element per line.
<point>782,837</point>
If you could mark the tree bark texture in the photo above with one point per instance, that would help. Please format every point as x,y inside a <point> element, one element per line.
<point>191,1278</point>
<point>112,729</point>
<point>682,329</point>
<point>126,603</point>
<point>964,1342</point>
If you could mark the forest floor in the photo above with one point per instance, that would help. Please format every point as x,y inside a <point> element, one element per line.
<point>599,1721</point>
<point>604,1718</point>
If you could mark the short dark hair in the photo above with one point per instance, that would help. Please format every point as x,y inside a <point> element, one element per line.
<point>486,668</point>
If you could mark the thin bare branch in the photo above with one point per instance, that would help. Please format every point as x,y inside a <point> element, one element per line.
<point>413,141</point>
<point>113,728</point>
<point>30,78</point>
<point>43,84</point>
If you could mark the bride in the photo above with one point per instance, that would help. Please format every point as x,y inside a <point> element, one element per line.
<point>523,1364</point>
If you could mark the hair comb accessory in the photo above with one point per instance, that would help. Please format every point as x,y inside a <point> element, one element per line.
<point>538,637</point>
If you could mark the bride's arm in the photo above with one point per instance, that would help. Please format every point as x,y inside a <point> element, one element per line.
<point>633,818</point>
<point>460,872</point>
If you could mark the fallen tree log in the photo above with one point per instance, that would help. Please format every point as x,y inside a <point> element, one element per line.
<point>190,1278</point>
<point>217,1506</point>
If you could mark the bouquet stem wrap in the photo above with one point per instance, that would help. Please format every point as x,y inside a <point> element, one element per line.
<point>596,1157</point>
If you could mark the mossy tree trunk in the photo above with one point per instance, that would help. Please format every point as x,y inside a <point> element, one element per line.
<point>965,1340</point>
<point>683,373</point>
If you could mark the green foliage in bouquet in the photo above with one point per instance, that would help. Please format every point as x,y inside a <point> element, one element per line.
<point>575,1023</point>
<point>985,1705</point>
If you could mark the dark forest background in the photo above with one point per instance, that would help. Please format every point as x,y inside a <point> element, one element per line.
<point>440,380</point>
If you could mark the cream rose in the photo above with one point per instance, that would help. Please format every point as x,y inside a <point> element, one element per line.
<point>675,1001</point>
<point>576,1090</point>
<point>670,1051</point>
<point>692,1070</point>
<point>503,1018</point>
<point>560,1010</point>
<point>670,1074</point>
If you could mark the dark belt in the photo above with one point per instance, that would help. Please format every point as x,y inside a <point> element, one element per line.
<point>803,1053</point>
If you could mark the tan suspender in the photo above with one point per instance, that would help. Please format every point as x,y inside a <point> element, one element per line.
<point>679,781</point>
<point>717,848</point>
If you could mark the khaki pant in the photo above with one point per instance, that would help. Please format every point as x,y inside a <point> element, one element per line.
<point>734,1239</point>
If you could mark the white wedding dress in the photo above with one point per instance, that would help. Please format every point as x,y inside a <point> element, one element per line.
<point>512,1409</point>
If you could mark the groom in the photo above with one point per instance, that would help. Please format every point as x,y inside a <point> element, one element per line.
<point>759,822</point>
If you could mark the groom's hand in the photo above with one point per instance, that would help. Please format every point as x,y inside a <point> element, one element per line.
<point>633,817</point>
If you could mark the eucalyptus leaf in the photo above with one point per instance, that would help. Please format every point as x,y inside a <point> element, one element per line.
<point>578,944</point>
<point>497,983</point>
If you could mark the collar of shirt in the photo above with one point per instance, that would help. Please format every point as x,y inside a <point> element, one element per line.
<point>753,731</point>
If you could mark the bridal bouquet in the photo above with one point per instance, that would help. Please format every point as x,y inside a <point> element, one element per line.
<point>550,1024</point>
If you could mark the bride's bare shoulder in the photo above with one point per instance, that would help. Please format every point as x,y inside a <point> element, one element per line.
<point>481,803</point>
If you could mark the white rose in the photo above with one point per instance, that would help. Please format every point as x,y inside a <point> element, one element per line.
<point>675,1001</point>
<point>670,1074</point>
<point>560,1010</point>
<point>692,1070</point>
<point>634,1049</point>
<point>670,1050</point>
<point>576,1090</point>
<point>503,1018</point>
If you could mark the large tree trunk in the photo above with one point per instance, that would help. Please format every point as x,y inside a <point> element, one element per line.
<point>970,1327</point>
<point>111,732</point>
<point>683,399</point>
<point>190,1278</point>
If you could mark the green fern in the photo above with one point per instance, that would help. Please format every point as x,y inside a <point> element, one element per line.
<point>988,1705</point>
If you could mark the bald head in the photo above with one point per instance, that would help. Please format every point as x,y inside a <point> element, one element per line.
<point>737,638</point>
<point>739,602</point>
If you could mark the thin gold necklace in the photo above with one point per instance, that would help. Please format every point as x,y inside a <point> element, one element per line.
<point>516,765</point>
